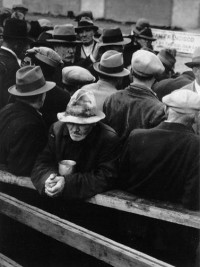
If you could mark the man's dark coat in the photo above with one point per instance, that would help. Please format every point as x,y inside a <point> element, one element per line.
<point>163,163</point>
<point>96,157</point>
<point>132,108</point>
<point>8,69</point>
<point>22,137</point>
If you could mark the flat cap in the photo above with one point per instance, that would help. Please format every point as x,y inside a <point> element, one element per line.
<point>75,75</point>
<point>146,64</point>
<point>183,101</point>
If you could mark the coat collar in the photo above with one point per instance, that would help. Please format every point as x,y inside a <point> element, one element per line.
<point>178,127</point>
<point>142,88</point>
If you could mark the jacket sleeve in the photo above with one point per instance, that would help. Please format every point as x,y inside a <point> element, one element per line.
<point>101,178</point>
<point>45,164</point>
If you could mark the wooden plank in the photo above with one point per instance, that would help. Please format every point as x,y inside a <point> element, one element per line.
<point>73,235</point>
<point>7,262</point>
<point>154,209</point>
<point>127,202</point>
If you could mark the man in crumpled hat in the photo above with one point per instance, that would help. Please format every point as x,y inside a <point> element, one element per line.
<point>137,106</point>
<point>163,163</point>
<point>79,136</point>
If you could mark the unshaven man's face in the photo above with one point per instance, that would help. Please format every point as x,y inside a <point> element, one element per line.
<point>78,132</point>
<point>86,36</point>
<point>67,53</point>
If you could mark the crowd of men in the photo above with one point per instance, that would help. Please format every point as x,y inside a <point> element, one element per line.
<point>107,101</point>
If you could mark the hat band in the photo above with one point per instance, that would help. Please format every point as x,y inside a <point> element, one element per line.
<point>112,69</point>
<point>112,39</point>
<point>65,37</point>
<point>30,87</point>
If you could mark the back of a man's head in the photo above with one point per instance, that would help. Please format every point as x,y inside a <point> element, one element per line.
<point>146,65</point>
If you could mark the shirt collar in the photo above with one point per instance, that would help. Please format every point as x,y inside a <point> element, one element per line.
<point>12,52</point>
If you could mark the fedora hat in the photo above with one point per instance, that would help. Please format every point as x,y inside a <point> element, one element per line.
<point>146,64</point>
<point>145,33</point>
<point>87,14</point>
<point>30,81</point>
<point>81,109</point>
<point>112,37</point>
<point>20,7</point>
<point>167,58</point>
<point>183,101</point>
<point>85,23</point>
<point>63,34</point>
<point>111,64</point>
<point>16,29</point>
<point>195,59</point>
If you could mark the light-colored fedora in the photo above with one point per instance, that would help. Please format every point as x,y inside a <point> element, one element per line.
<point>195,59</point>
<point>82,109</point>
<point>112,37</point>
<point>64,34</point>
<point>30,81</point>
<point>111,64</point>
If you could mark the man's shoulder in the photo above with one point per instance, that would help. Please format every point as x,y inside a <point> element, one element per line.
<point>107,131</point>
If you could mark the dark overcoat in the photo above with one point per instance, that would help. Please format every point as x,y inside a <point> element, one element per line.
<point>23,135</point>
<point>163,163</point>
<point>8,68</point>
<point>132,108</point>
<point>96,157</point>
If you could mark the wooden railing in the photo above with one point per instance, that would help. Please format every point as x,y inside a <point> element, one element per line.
<point>85,240</point>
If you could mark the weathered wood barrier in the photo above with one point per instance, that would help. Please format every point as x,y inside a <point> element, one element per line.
<point>7,262</point>
<point>85,240</point>
<point>123,201</point>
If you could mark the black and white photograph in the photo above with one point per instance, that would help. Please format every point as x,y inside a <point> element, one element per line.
<point>99,133</point>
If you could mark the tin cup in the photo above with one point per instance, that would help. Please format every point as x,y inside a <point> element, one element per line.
<point>66,167</point>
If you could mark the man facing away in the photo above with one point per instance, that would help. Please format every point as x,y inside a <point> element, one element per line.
<point>79,136</point>
<point>23,133</point>
<point>136,106</point>
<point>163,163</point>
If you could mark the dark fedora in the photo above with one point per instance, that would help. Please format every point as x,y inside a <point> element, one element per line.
<point>87,14</point>
<point>30,81</point>
<point>64,34</point>
<point>112,37</point>
<point>16,29</point>
<point>85,23</point>
<point>145,33</point>
<point>167,58</point>
<point>20,7</point>
<point>195,59</point>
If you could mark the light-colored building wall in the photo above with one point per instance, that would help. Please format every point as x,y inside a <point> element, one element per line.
<point>180,13</point>
<point>185,13</point>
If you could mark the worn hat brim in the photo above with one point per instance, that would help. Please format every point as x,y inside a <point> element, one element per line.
<point>47,87</point>
<point>124,42</point>
<point>28,39</point>
<point>123,73</point>
<point>80,120</point>
<point>58,41</point>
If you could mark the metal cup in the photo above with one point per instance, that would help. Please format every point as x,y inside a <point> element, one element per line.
<point>66,167</point>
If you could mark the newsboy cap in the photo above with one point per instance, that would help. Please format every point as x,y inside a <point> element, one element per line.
<point>75,75</point>
<point>183,101</point>
<point>146,64</point>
